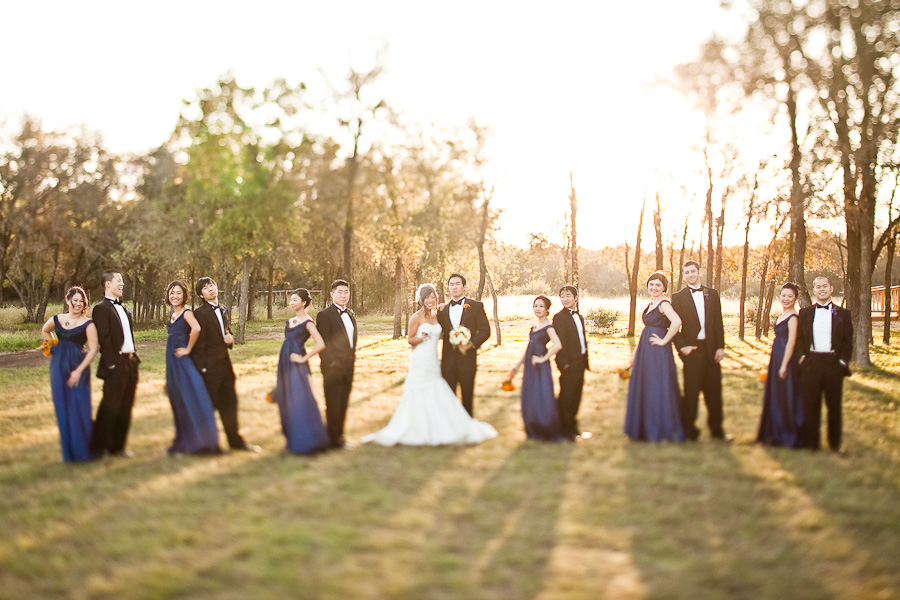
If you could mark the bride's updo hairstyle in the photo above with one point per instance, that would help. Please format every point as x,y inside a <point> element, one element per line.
<point>424,291</point>
<point>304,296</point>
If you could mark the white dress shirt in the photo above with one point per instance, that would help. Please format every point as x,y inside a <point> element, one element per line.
<point>822,329</point>
<point>218,312</point>
<point>700,303</point>
<point>348,324</point>
<point>456,311</point>
<point>127,336</point>
<point>578,326</point>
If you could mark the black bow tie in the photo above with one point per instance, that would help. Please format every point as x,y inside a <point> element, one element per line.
<point>574,311</point>
<point>456,302</point>
<point>693,290</point>
<point>825,306</point>
<point>116,301</point>
<point>342,311</point>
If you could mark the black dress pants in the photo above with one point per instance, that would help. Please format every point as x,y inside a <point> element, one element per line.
<point>113,418</point>
<point>338,385</point>
<point>702,374</point>
<point>220,385</point>
<point>571,385</point>
<point>821,374</point>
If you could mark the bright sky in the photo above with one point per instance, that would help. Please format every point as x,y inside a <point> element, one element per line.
<point>563,85</point>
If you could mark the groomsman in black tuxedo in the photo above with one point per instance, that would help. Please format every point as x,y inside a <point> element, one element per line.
<point>825,346</point>
<point>118,369</point>
<point>338,328</point>
<point>210,356</point>
<point>572,360</point>
<point>459,363</point>
<point>701,346</point>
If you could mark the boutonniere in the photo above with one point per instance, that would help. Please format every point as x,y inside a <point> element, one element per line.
<point>465,306</point>
<point>705,294</point>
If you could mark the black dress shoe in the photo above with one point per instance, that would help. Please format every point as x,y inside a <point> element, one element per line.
<point>249,448</point>
<point>122,454</point>
<point>343,445</point>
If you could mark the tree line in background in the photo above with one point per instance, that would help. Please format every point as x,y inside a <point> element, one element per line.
<point>264,190</point>
<point>820,77</point>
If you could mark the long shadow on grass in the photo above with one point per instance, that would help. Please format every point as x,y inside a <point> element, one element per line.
<point>495,539</point>
<point>701,527</point>
<point>851,513</point>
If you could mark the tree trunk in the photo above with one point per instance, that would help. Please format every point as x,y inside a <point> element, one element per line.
<point>761,303</point>
<point>633,279</point>
<point>746,261</point>
<point>245,296</point>
<point>657,225</point>
<point>889,266</point>
<point>270,297</point>
<point>767,320</point>
<point>681,257</point>
<point>398,298</point>
<point>490,284</point>
<point>48,286</point>
<point>353,168</point>
<point>798,201</point>
<point>573,209</point>
<point>710,259</point>
<point>720,229</point>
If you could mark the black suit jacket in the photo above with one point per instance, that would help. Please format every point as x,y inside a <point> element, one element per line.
<point>475,319</point>
<point>841,333</point>
<point>564,324</point>
<point>109,335</point>
<point>690,321</point>
<point>337,355</point>
<point>210,353</point>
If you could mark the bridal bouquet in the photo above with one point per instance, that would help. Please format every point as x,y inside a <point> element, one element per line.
<point>460,335</point>
<point>47,346</point>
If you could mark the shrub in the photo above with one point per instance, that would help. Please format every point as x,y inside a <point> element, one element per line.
<point>602,320</point>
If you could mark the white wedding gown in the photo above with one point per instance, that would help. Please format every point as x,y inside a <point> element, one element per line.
<point>429,414</point>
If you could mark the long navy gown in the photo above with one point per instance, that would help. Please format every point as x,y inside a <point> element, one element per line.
<point>652,413</point>
<point>195,421</point>
<point>782,411</point>
<point>301,421</point>
<point>539,410</point>
<point>72,404</point>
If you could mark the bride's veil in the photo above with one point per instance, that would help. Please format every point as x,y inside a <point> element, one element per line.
<point>423,287</point>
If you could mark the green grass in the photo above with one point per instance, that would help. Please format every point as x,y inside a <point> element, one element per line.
<point>508,518</point>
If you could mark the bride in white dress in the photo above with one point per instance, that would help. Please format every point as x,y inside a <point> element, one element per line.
<point>429,414</point>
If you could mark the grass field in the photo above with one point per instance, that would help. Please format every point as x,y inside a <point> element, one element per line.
<point>509,518</point>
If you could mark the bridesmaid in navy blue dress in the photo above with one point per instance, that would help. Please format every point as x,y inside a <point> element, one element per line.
<point>782,412</point>
<point>652,413</point>
<point>195,421</point>
<point>70,376</point>
<point>301,421</point>
<point>539,411</point>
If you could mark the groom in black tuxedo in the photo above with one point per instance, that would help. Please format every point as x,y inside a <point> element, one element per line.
<point>118,369</point>
<point>824,347</point>
<point>340,333</point>
<point>572,360</point>
<point>459,363</point>
<point>210,356</point>
<point>701,346</point>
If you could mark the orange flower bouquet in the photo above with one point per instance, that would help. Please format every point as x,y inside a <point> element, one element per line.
<point>762,376</point>
<point>507,385</point>
<point>270,396</point>
<point>48,345</point>
<point>624,373</point>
